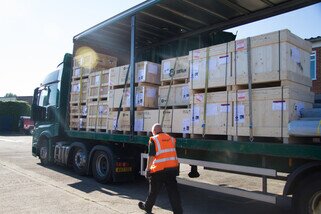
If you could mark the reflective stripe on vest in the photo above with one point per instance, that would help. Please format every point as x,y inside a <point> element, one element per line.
<point>161,151</point>
<point>165,159</point>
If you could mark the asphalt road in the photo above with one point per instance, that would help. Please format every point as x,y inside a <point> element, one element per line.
<point>27,187</point>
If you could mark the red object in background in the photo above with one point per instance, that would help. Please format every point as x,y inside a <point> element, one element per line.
<point>26,125</point>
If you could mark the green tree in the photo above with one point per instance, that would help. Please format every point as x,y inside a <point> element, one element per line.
<point>10,95</point>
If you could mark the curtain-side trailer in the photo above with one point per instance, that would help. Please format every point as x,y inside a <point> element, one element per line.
<point>155,30</point>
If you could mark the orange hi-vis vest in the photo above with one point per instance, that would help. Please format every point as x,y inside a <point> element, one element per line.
<point>166,156</point>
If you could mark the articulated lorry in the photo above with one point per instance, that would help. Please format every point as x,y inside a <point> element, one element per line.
<point>152,31</point>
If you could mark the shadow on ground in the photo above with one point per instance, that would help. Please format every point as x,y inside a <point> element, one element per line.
<point>194,200</point>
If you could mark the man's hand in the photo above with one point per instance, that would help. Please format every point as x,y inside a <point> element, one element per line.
<point>147,174</point>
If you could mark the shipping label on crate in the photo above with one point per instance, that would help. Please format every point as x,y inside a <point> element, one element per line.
<point>194,72</point>
<point>103,110</point>
<point>239,112</point>
<point>84,110</point>
<point>279,105</point>
<point>139,125</point>
<point>199,98</point>
<point>139,99</point>
<point>97,80</point>
<point>82,123</point>
<point>224,108</point>
<point>196,114</point>
<point>152,68</point>
<point>240,45</point>
<point>241,95</point>
<point>186,125</point>
<point>211,109</point>
<point>141,75</point>
<point>166,67</point>
<point>76,88</point>
<point>185,93</point>
<point>196,54</point>
<point>77,72</point>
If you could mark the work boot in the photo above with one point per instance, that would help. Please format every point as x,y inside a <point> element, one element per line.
<point>141,205</point>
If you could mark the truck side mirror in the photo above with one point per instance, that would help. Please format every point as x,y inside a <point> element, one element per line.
<point>35,96</point>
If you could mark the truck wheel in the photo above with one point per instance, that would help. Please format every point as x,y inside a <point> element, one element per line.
<point>102,166</point>
<point>79,161</point>
<point>307,198</point>
<point>44,152</point>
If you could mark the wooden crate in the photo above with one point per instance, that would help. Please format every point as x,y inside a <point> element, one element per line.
<point>122,75</point>
<point>217,61</point>
<point>111,121</point>
<point>118,75</point>
<point>115,96</point>
<point>139,121</point>
<point>267,110</point>
<point>78,123</point>
<point>146,96</point>
<point>168,118</point>
<point>179,95</point>
<point>99,84</point>
<point>218,114</point>
<point>79,90</point>
<point>101,123</point>
<point>93,60</point>
<point>275,56</point>
<point>78,110</point>
<point>114,76</point>
<point>150,118</point>
<point>80,72</point>
<point>98,109</point>
<point>181,70</point>
<point>181,121</point>
<point>147,72</point>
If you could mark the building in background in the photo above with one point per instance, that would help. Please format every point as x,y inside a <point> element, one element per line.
<point>315,68</point>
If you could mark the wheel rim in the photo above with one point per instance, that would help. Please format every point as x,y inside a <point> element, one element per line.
<point>315,203</point>
<point>80,159</point>
<point>43,152</point>
<point>102,165</point>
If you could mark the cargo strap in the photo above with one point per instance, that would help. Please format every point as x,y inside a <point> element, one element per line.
<point>80,97</point>
<point>282,108</point>
<point>98,95</point>
<point>191,66</point>
<point>205,93</point>
<point>249,67</point>
<point>171,74</point>
<point>236,93</point>
<point>227,92</point>
<point>121,100</point>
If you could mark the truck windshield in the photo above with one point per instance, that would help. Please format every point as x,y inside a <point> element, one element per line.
<point>48,95</point>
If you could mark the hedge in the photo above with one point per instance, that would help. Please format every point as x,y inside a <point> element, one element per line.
<point>10,113</point>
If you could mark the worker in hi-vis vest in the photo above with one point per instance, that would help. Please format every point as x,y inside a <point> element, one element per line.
<point>162,168</point>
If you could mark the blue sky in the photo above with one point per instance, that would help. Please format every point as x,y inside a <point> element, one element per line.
<point>35,34</point>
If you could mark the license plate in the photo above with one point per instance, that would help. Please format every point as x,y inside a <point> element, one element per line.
<point>124,169</point>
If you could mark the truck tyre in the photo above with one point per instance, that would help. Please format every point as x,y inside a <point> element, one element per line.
<point>102,166</point>
<point>44,152</point>
<point>79,161</point>
<point>307,198</point>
